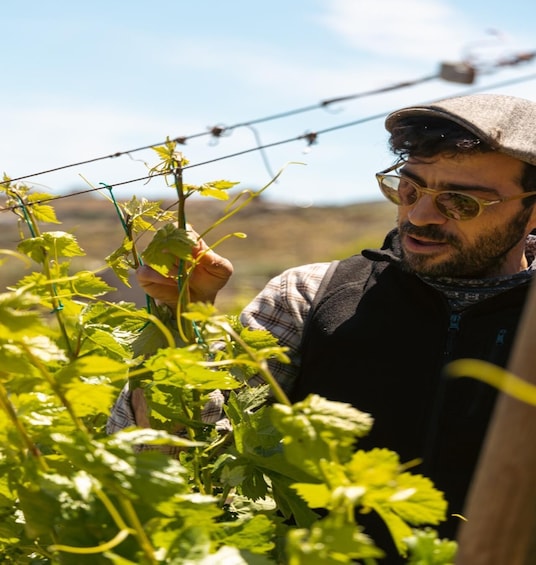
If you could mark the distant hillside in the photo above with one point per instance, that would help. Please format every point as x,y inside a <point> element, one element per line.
<point>278,236</point>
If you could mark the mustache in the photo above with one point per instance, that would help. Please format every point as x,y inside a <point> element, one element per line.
<point>431,231</point>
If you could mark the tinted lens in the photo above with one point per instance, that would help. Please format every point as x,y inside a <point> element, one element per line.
<point>457,206</point>
<point>453,205</point>
<point>408,192</point>
<point>398,190</point>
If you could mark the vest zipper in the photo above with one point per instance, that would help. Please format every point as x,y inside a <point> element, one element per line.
<point>452,333</point>
<point>498,346</point>
<point>437,406</point>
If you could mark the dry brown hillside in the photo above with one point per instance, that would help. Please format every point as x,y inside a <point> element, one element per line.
<point>278,236</point>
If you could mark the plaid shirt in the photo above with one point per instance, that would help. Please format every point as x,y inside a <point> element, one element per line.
<point>281,308</point>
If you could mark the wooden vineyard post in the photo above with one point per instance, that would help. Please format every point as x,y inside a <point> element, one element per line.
<point>501,507</point>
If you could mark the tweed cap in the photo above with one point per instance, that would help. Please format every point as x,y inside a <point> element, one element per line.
<point>505,123</point>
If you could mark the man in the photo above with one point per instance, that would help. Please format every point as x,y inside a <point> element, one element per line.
<point>449,282</point>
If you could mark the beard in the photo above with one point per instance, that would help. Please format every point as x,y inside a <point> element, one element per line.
<point>483,258</point>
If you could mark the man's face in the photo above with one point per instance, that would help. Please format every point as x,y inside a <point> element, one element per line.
<point>491,244</point>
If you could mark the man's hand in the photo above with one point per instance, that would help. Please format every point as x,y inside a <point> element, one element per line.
<point>209,276</point>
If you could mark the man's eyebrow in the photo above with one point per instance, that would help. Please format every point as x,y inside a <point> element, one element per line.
<point>451,186</point>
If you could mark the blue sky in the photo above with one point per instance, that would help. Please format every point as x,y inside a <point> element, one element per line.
<point>88,79</point>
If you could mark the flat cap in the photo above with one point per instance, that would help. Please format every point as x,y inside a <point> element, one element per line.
<point>505,123</point>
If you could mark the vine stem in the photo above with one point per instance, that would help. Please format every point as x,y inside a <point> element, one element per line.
<point>33,226</point>
<point>265,373</point>
<point>12,414</point>
<point>133,518</point>
<point>185,328</point>
<point>162,327</point>
<point>122,534</point>
<point>55,387</point>
<point>57,305</point>
<point>140,532</point>
<point>179,186</point>
<point>250,196</point>
<point>267,376</point>
<point>116,540</point>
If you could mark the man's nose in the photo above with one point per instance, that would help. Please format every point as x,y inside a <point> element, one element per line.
<point>424,212</point>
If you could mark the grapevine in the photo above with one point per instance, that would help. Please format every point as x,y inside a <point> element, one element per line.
<point>265,482</point>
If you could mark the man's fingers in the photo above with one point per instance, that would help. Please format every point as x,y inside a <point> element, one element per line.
<point>216,265</point>
<point>162,289</point>
<point>147,276</point>
<point>209,275</point>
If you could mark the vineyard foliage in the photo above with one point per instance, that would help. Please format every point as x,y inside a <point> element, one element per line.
<point>267,482</point>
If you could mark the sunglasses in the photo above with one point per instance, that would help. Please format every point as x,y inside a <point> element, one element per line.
<point>404,191</point>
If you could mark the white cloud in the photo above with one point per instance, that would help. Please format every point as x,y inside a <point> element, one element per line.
<point>417,29</point>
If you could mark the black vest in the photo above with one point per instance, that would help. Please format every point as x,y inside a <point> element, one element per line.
<point>379,339</point>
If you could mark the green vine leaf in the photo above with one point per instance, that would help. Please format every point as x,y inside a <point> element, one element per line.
<point>330,542</point>
<point>316,495</point>
<point>399,498</point>
<point>417,501</point>
<point>92,368</point>
<point>20,316</point>
<point>255,535</point>
<point>425,547</point>
<point>168,244</point>
<point>100,337</point>
<point>44,348</point>
<point>185,368</point>
<point>57,244</point>
<point>215,189</point>
<point>141,214</point>
<point>89,397</point>
<point>125,439</point>
<point>167,152</point>
<point>316,429</point>
<point>119,261</point>
<point>42,212</point>
<point>88,284</point>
